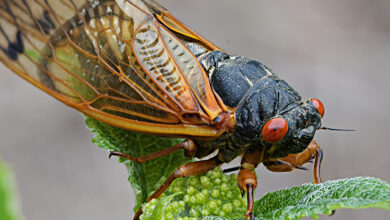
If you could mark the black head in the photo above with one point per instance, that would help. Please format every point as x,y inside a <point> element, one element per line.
<point>292,129</point>
<point>261,97</point>
<point>275,115</point>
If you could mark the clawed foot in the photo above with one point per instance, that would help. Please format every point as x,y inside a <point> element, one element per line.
<point>250,216</point>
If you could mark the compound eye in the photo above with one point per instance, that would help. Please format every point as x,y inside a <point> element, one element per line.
<point>319,106</point>
<point>274,130</point>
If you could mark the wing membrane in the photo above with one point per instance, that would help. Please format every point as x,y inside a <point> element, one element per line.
<point>111,60</point>
<point>177,26</point>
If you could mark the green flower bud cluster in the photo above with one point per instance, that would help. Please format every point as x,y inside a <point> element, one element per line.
<point>194,197</point>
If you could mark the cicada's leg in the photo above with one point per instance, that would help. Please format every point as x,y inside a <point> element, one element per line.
<point>190,169</point>
<point>293,161</point>
<point>246,178</point>
<point>232,169</point>
<point>247,182</point>
<point>297,160</point>
<point>188,145</point>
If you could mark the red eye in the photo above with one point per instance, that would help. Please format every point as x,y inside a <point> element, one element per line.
<point>274,130</point>
<point>319,106</point>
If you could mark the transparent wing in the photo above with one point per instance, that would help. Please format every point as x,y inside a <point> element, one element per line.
<point>112,60</point>
<point>177,26</point>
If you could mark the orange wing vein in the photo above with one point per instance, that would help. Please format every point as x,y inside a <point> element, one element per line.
<point>118,61</point>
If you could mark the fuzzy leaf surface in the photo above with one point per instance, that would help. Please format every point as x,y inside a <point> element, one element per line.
<point>147,177</point>
<point>311,200</point>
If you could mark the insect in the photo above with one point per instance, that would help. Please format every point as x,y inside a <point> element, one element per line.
<point>131,64</point>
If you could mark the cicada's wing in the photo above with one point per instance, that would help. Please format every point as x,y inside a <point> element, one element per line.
<point>112,60</point>
<point>177,26</point>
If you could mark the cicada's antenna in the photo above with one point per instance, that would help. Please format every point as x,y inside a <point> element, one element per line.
<point>334,129</point>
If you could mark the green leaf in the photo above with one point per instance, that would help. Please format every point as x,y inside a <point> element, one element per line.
<point>308,200</point>
<point>294,203</point>
<point>144,178</point>
<point>9,206</point>
<point>311,200</point>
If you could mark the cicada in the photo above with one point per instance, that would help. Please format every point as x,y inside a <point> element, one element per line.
<point>131,64</point>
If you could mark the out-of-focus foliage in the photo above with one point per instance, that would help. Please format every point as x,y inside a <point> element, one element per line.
<point>9,207</point>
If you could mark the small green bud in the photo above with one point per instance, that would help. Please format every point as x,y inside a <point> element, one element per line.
<point>225,187</point>
<point>193,181</point>
<point>205,181</point>
<point>194,213</point>
<point>169,216</point>
<point>213,205</point>
<point>229,195</point>
<point>205,192</point>
<point>180,182</point>
<point>168,208</point>
<point>187,198</point>
<point>209,194</point>
<point>224,179</point>
<point>215,193</point>
<point>200,198</point>
<point>233,178</point>
<point>193,200</point>
<point>227,207</point>
<point>191,190</point>
<point>215,174</point>
<point>236,203</point>
<point>205,212</point>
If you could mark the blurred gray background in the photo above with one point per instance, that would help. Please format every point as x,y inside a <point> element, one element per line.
<point>337,51</point>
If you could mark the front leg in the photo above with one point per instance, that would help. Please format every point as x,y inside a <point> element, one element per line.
<point>246,179</point>
<point>247,182</point>
<point>293,161</point>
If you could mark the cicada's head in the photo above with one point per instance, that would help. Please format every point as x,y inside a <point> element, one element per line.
<point>292,130</point>
<point>275,116</point>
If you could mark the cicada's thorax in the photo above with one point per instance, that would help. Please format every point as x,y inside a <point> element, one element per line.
<point>253,90</point>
